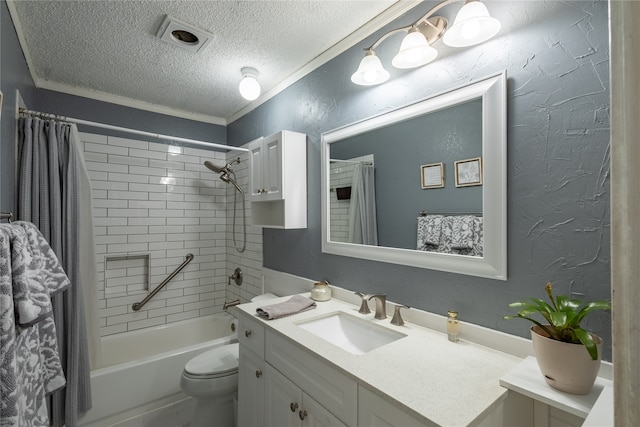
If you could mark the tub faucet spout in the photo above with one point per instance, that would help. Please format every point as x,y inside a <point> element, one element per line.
<point>230,304</point>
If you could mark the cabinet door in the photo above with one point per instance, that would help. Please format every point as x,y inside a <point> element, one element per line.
<point>256,169</point>
<point>250,389</point>
<point>317,416</point>
<point>373,410</point>
<point>272,172</point>
<point>283,400</point>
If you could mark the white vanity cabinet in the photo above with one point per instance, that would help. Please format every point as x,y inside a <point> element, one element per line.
<point>251,386</point>
<point>286,405</point>
<point>251,373</point>
<point>278,180</point>
<point>281,385</point>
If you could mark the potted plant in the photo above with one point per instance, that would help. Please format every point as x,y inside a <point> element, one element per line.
<point>568,355</point>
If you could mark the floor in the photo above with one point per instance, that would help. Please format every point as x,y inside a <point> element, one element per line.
<point>175,415</point>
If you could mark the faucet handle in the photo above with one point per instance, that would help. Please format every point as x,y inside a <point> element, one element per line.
<point>397,318</point>
<point>364,306</point>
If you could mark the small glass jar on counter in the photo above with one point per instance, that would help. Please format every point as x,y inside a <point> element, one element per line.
<point>321,291</point>
<point>453,326</point>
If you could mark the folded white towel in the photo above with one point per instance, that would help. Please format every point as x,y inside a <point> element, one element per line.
<point>293,305</point>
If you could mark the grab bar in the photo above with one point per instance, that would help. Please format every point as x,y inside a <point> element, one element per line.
<point>138,305</point>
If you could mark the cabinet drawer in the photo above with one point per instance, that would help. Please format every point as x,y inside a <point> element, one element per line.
<point>251,335</point>
<point>330,388</point>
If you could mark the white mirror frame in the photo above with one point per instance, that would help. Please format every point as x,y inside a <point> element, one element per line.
<point>493,263</point>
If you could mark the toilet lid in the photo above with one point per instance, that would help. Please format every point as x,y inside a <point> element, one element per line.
<point>219,361</point>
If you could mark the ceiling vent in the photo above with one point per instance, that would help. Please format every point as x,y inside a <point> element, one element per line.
<point>182,34</point>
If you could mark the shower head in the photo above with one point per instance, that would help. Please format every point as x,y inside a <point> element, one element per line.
<point>225,172</point>
<point>217,169</point>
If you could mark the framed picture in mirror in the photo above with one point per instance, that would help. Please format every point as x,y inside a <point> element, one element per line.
<point>432,176</point>
<point>469,172</point>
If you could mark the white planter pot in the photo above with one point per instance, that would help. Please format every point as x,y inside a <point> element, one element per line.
<point>566,367</point>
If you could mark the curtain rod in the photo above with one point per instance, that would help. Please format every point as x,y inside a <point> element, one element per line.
<point>364,162</point>
<point>128,130</point>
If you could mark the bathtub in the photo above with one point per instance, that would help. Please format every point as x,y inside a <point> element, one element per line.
<point>141,369</point>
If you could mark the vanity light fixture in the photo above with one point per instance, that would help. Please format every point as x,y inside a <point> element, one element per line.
<point>249,86</point>
<point>472,25</point>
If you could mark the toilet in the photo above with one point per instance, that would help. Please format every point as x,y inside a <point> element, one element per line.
<point>212,379</point>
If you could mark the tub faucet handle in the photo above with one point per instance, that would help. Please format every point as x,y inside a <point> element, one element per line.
<point>397,318</point>
<point>364,304</point>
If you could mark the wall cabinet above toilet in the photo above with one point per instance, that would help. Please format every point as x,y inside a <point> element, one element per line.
<point>278,180</point>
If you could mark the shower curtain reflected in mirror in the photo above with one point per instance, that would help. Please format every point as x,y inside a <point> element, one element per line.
<point>54,193</point>
<point>363,225</point>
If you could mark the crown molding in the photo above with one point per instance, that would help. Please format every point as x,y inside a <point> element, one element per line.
<point>128,102</point>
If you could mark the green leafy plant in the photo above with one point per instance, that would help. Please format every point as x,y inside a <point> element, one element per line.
<point>563,316</point>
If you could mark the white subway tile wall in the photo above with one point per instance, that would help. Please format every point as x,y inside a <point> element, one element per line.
<point>160,200</point>
<point>340,175</point>
<point>250,261</point>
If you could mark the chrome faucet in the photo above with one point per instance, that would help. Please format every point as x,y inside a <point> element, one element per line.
<point>230,304</point>
<point>381,305</point>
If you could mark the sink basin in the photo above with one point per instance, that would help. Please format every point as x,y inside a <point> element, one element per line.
<point>355,335</point>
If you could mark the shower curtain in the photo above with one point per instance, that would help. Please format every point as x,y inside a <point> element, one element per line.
<point>54,193</point>
<point>363,226</point>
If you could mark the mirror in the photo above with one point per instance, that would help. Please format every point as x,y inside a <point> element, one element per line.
<point>422,158</point>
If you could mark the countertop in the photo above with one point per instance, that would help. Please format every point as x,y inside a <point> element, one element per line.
<point>437,381</point>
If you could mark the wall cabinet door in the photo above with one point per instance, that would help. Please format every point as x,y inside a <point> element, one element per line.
<point>265,168</point>
<point>250,389</point>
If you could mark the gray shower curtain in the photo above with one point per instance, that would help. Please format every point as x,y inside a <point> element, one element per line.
<point>363,224</point>
<point>49,188</point>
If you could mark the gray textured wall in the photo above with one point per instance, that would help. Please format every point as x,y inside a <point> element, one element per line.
<point>556,57</point>
<point>14,75</point>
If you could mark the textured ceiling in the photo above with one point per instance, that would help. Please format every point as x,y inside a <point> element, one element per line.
<point>110,48</point>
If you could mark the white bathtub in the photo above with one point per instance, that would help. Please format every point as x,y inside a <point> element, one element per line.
<point>142,368</point>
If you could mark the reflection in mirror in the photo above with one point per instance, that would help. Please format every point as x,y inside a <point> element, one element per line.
<point>353,210</point>
<point>452,219</point>
<point>423,185</point>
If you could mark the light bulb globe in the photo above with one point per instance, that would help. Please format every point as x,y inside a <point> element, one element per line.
<point>414,51</point>
<point>370,72</point>
<point>473,25</point>
<point>249,87</point>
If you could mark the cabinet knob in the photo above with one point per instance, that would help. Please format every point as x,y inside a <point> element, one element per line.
<point>302,415</point>
<point>258,373</point>
<point>247,333</point>
<point>293,406</point>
